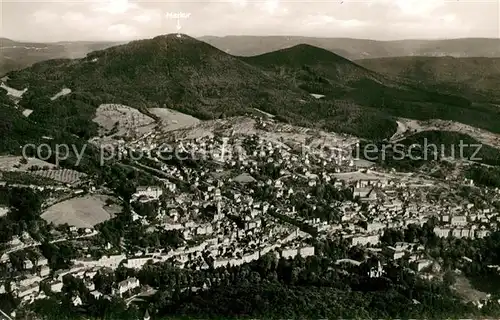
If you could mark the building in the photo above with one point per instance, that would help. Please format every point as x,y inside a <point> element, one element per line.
<point>481,233</point>
<point>29,280</point>
<point>28,290</point>
<point>288,253</point>
<point>56,286</point>
<point>306,251</point>
<point>442,232</point>
<point>126,286</point>
<point>44,271</point>
<point>149,192</point>
<point>376,272</point>
<point>458,221</point>
<point>42,262</point>
<point>106,261</point>
<point>364,240</point>
<point>397,251</point>
<point>137,262</point>
<point>365,194</point>
<point>28,264</point>
<point>374,226</point>
<point>419,265</point>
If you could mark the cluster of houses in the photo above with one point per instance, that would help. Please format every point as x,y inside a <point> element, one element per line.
<point>467,222</point>
<point>224,221</point>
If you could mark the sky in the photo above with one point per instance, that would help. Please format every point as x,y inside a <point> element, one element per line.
<point>122,20</point>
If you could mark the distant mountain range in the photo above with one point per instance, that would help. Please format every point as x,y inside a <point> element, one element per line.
<point>196,78</point>
<point>354,49</point>
<point>470,76</point>
<point>16,55</point>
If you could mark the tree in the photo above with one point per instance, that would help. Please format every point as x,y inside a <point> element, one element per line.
<point>104,281</point>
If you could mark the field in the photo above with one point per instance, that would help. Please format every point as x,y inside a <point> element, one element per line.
<point>61,175</point>
<point>61,93</point>
<point>13,163</point>
<point>116,119</point>
<point>173,120</point>
<point>464,288</point>
<point>25,178</point>
<point>81,212</point>
<point>407,127</point>
<point>13,92</point>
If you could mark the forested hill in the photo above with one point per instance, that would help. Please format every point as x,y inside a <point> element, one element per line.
<point>196,78</point>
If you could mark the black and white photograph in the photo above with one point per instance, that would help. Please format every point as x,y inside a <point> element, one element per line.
<point>249,159</point>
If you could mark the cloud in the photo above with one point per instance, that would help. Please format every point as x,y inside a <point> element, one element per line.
<point>122,31</point>
<point>449,18</point>
<point>352,23</point>
<point>114,6</point>
<point>44,16</point>
<point>273,7</point>
<point>54,20</point>
<point>239,3</point>
<point>326,20</point>
<point>418,7</point>
<point>74,17</point>
<point>143,18</point>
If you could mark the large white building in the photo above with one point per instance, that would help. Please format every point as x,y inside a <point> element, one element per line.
<point>107,261</point>
<point>125,286</point>
<point>458,221</point>
<point>364,240</point>
<point>149,192</point>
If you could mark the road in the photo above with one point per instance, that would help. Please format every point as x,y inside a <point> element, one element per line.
<point>36,243</point>
<point>3,315</point>
<point>138,296</point>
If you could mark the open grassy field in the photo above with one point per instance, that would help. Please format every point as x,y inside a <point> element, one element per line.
<point>25,178</point>
<point>81,212</point>
<point>464,288</point>
<point>407,127</point>
<point>173,120</point>
<point>13,163</point>
<point>13,92</point>
<point>63,92</point>
<point>116,119</point>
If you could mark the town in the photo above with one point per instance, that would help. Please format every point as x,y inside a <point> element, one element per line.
<point>239,194</point>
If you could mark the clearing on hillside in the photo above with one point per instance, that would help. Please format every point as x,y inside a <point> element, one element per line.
<point>13,92</point>
<point>116,119</point>
<point>173,120</point>
<point>15,163</point>
<point>67,176</point>
<point>63,92</point>
<point>407,127</point>
<point>464,288</point>
<point>40,168</point>
<point>81,212</point>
